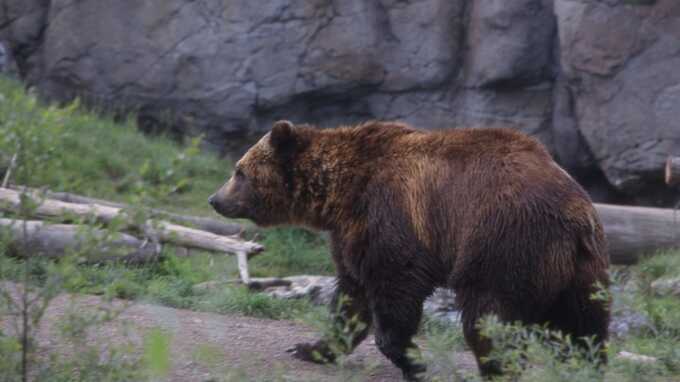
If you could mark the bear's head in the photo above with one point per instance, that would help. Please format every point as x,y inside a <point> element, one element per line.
<point>261,187</point>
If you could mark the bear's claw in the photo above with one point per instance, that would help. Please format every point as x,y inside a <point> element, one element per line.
<point>316,352</point>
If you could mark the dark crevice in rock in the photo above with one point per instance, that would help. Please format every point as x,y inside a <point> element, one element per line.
<point>26,41</point>
<point>464,18</point>
<point>384,23</point>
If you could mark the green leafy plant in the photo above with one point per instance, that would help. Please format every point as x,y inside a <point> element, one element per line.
<point>536,353</point>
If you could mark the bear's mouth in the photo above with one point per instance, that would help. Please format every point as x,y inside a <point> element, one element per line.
<point>231,210</point>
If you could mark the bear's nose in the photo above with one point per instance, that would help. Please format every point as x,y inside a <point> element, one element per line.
<point>212,200</point>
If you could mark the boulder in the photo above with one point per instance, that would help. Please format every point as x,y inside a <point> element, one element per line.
<point>620,61</point>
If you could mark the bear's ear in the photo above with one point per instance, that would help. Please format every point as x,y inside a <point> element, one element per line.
<point>282,135</point>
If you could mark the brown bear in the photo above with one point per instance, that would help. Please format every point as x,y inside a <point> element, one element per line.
<point>486,212</point>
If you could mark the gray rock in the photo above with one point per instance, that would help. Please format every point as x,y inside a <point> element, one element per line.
<point>667,286</point>
<point>571,149</point>
<point>627,321</point>
<point>8,65</point>
<point>442,305</point>
<point>621,63</point>
<point>4,58</point>
<point>526,109</point>
<point>318,289</point>
<point>230,69</point>
<point>421,43</point>
<point>22,26</point>
<point>510,43</point>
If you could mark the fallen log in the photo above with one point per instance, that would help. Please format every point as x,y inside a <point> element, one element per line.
<point>162,230</point>
<point>54,241</point>
<point>633,232</point>
<point>203,223</point>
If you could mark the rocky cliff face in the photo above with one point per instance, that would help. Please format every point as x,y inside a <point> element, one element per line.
<point>598,81</point>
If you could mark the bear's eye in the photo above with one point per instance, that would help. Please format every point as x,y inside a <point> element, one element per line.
<point>239,173</point>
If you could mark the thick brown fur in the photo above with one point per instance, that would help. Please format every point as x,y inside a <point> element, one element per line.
<point>486,212</point>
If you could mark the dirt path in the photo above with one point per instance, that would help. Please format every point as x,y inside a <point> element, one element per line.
<point>244,348</point>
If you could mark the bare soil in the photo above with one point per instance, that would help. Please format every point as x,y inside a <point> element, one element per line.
<point>240,347</point>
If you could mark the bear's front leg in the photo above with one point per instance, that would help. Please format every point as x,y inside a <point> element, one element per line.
<point>351,314</point>
<point>396,318</point>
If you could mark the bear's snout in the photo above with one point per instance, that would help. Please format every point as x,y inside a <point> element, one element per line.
<point>227,206</point>
<point>221,206</point>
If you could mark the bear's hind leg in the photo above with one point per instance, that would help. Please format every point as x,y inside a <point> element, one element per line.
<point>475,305</point>
<point>576,313</point>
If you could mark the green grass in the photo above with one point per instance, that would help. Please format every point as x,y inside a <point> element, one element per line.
<point>293,251</point>
<point>661,338</point>
<point>96,156</point>
<point>93,155</point>
<point>240,300</point>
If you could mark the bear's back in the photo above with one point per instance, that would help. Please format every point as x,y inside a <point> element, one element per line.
<point>475,181</point>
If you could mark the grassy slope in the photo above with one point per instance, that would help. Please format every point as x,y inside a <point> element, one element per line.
<point>96,156</point>
<point>69,149</point>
